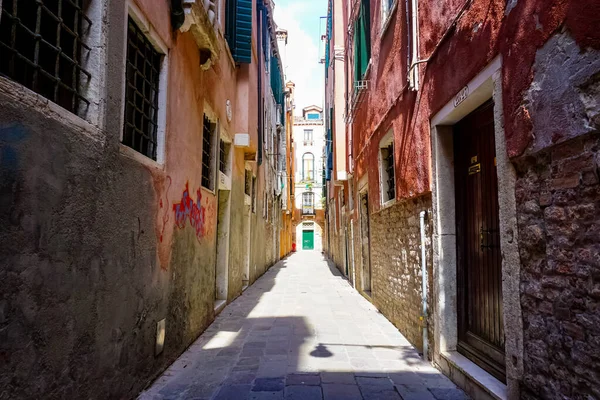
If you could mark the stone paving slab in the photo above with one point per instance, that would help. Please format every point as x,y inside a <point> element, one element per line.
<point>301,332</point>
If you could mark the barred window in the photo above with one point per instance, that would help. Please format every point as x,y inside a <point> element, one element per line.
<point>254,194</point>
<point>208,161</point>
<point>386,159</point>
<point>41,46</point>
<point>248,182</point>
<point>141,94</point>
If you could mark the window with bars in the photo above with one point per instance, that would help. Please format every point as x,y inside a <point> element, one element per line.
<point>253,194</point>
<point>142,72</point>
<point>208,172</point>
<point>248,182</point>
<point>224,148</point>
<point>388,180</point>
<point>42,45</point>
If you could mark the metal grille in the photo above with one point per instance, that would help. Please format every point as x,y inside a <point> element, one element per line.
<point>248,182</point>
<point>41,47</point>
<point>253,194</point>
<point>141,107</point>
<point>207,156</point>
<point>389,169</point>
<point>222,157</point>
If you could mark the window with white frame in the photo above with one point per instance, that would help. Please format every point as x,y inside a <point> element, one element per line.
<point>308,137</point>
<point>308,167</point>
<point>145,88</point>
<point>209,129</point>
<point>387,181</point>
<point>387,7</point>
<point>308,203</point>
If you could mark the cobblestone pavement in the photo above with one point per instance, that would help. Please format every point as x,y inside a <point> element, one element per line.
<point>302,333</point>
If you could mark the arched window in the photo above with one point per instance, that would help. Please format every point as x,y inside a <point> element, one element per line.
<point>308,167</point>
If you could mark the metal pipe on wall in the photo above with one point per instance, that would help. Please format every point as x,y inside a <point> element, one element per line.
<point>422,216</point>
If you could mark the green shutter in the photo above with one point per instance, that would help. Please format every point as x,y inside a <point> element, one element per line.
<point>362,40</point>
<point>243,32</point>
<point>238,29</point>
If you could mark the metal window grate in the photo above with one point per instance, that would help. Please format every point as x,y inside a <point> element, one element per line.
<point>41,47</point>
<point>389,168</point>
<point>207,156</point>
<point>141,107</point>
<point>222,157</point>
<point>248,182</point>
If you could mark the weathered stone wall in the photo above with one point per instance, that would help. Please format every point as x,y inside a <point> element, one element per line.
<point>558,197</point>
<point>396,265</point>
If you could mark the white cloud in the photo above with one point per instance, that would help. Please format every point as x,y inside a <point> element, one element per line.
<point>303,66</point>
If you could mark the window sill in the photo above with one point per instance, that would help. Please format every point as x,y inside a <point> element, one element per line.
<point>139,157</point>
<point>207,190</point>
<point>472,371</point>
<point>387,204</point>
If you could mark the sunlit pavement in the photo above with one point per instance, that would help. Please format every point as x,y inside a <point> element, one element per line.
<point>302,332</point>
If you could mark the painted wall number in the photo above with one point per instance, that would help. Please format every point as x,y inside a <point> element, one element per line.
<point>461,96</point>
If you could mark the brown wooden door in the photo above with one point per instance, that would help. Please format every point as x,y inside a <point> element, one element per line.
<point>480,318</point>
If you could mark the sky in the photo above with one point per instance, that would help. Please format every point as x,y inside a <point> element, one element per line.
<point>302,21</point>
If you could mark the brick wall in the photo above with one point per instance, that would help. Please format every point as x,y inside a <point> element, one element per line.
<point>558,197</point>
<point>396,265</point>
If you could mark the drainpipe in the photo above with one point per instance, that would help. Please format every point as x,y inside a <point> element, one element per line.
<point>414,78</point>
<point>260,102</point>
<point>424,283</point>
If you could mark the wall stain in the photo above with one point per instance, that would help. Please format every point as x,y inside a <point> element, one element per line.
<point>162,205</point>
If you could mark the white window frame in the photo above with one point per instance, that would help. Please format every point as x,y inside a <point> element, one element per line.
<point>383,185</point>
<point>152,35</point>
<point>386,13</point>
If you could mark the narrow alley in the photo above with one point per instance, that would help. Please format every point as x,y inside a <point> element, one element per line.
<point>302,332</point>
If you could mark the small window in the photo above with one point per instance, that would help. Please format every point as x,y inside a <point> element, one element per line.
<point>313,116</point>
<point>308,137</point>
<point>248,182</point>
<point>386,160</point>
<point>308,203</point>
<point>386,9</point>
<point>308,167</point>
<point>141,94</point>
<point>254,195</point>
<point>224,149</point>
<point>208,162</point>
<point>42,47</point>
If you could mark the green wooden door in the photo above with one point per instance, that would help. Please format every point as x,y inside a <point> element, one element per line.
<point>308,240</point>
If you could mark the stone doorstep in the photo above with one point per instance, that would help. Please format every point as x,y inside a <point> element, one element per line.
<point>466,373</point>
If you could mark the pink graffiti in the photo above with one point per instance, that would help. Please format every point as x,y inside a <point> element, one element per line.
<point>187,209</point>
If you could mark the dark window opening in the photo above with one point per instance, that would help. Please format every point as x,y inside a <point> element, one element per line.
<point>248,182</point>
<point>208,131</point>
<point>388,179</point>
<point>41,46</point>
<point>254,194</point>
<point>224,148</point>
<point>141,93</point>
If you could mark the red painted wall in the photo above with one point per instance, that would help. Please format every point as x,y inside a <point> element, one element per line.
<point>485,30</point>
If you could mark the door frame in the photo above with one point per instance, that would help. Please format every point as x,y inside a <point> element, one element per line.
<point>483,87</point>
<point>364,191</point>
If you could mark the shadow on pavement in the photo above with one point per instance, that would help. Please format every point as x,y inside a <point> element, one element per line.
<point>301,333</point>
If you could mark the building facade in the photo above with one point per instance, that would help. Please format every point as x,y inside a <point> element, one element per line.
<point>471,186</point>
<point>308,148</point>
<point>141,148</point>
